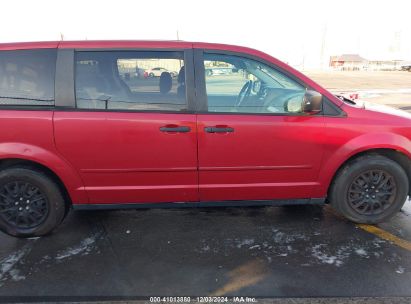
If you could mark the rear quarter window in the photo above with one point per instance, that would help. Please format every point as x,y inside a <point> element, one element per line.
<point>27,77</point>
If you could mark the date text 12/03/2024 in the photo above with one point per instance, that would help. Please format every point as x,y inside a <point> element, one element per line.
<point>203,300</point>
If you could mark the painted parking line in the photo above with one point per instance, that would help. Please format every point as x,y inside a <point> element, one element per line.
<point>386,236</point>
<point>243,276</point>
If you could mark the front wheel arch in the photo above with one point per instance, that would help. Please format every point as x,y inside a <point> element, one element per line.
<point>355,191</point>
<point>403,160</point>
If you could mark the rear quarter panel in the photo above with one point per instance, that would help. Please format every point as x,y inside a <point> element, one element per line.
<point>28,135</point>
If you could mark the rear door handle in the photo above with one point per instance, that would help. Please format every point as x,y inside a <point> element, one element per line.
<point>182,129</point>
<point>218,129</point>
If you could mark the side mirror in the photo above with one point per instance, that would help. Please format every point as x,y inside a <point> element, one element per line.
<point>312,102</point>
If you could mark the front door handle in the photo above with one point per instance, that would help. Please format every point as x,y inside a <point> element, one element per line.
<point>218,129</point>
<point>180,129</point>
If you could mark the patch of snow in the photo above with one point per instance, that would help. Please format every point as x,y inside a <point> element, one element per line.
<point>337,260</point>
<point>84,248</point>
<point>44,259</point>
<point>277,243</point>
<point>8,265</point>
<point>406,209</point>
<point>361,252</point>
<point>279,237</point>
<point>205,248</point>
<point>286,238</point>
<point>15,275</point>
<point>246,242</point>
<point>377,242</point>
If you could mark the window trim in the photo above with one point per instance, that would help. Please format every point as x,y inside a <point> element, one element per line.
<point>189,70</point>
<point>201,92</point>
<point>64,81</point>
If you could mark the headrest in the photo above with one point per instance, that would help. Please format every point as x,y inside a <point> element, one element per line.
<point>166,82</point>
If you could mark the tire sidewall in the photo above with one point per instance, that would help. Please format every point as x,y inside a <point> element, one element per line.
<point>349,173</point>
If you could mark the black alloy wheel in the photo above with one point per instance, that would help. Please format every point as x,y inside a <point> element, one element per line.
<point>369,189</point>
<point>23,205</point>
<point>372,192</point>
<point>31,202</point>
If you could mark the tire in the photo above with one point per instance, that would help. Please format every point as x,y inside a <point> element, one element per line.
<point>374,201</point>
<point>31,204</point>
<point>151,75</point>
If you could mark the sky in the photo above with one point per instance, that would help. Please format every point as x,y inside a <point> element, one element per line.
<point>302,33</point>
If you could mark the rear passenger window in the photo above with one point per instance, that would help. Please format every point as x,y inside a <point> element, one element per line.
<point>27,77</point>
<point>130,80</point>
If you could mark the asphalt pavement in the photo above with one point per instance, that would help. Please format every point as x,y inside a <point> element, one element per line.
<point>263,252</point>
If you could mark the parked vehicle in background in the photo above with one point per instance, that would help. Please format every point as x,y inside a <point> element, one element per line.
<point>79,131</point>
<point>406,68</point>
<point>214,71</point>
<point>156,72</point>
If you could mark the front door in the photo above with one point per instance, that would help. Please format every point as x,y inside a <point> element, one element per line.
<point>254,141</point>
<point>131,136</point>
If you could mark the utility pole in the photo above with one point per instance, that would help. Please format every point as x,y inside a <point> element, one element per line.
<point>303,57</point>
<point>323,46</point>
<point>178,39</point>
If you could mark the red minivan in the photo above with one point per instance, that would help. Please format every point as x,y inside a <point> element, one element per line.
<point>81,127</point>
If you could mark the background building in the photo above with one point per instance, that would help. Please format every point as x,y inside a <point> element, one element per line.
<point>348,62</point>
<point>354,62</point>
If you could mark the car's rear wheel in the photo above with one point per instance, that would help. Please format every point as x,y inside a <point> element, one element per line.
<point>31,204</point>
<point>151,74</point>
<point>370,189</point>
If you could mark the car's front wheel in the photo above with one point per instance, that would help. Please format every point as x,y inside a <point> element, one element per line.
<point>31,203</point>
<point>370,189</point>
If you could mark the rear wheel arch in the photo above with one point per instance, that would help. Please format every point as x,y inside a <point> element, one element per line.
<point>35,166</point>
<point>49,159</point>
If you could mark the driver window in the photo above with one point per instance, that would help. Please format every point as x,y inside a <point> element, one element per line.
<point>237,84</point>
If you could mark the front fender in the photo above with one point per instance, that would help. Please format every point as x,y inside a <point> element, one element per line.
<point>67,174</point>
<point>381,140</point>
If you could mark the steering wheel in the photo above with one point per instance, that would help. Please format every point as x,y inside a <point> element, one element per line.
<point>244,93</point>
